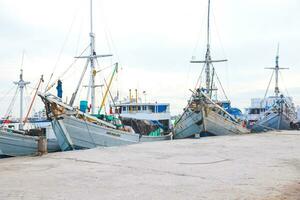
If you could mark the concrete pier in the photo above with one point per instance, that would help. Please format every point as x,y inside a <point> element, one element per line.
<point>259,166</point>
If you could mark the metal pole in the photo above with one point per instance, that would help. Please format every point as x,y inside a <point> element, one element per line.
<point>276,77</point>
<point>208,24</point>
<point>21,101</point>
<point>21,84</point>
<point>91,15</point>
<point>276,73</point>
<point>93,74</point>
<point>207,56</point>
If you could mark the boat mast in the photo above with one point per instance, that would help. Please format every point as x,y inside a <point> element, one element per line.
<point>91,59</point>
<point>21,84</point>
<point>276,73</point>
<point>277,68</point>
<point>207,55</point>
<point>208,61</point>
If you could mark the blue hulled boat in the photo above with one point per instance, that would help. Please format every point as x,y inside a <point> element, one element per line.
<point>281,114</point>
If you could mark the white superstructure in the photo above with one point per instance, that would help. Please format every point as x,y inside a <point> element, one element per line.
<point>134,108</point>
<point>259,106</point>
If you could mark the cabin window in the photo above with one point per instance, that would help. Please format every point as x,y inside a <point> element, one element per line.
<point>152,108</point>
<point>139,108</point>
<point>124,108</point>
<point>255,111</point>
<point>144,107</point>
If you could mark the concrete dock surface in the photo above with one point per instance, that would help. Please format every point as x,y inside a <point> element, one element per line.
<point>257,166</point>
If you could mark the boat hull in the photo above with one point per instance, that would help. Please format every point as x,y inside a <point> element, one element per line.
<point>191,123</point>
<point>274,121</point>
<point>206,123</point>
<point>74,133</point>
<point>146,138</point>
<point>13,144</point>
<point>78,130</point>
<point>217,125</point>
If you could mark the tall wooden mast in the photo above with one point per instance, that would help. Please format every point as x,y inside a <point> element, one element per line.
<point>208,61</point>
<point>91,60</point>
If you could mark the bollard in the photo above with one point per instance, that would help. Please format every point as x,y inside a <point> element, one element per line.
<point>42,145</point>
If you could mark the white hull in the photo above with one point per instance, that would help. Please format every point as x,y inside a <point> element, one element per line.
<point>218,125</point>
<point>73,133</point>
<point>210,124</point>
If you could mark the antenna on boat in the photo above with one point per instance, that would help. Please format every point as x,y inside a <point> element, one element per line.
<point>208,61</point>
<point>91,60</point>
<point>276,69</point>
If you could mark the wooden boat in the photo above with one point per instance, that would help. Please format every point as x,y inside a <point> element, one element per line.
<point>76,128</point>
<point>17,142</point>
<point>203,115</point>
<point>282,114</point>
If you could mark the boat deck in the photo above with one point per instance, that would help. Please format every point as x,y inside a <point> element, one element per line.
<point>256,166</point>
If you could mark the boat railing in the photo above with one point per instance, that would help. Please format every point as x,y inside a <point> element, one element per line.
<point>53,99</point>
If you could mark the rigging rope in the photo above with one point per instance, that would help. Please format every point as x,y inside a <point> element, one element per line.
<point>199,78</point>
<point>79,36</point>
<point>111,45</point>
<point>91,136</point>
<point>194,52</point>
<point>33,89</point>
<point>66,71</point>
<point>287,92</point>
<point>7,93</point>
<point>268,86</point>
<point>109,39</point>
<point>222,47</point>
<point>218,34</point>
<point>27,98</point>
<point>9,109</point>
<point>105,68</point>
<point>220,83</point>
<point>61,51</point>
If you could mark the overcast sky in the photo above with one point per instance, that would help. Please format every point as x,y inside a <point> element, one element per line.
<point>153,41</point>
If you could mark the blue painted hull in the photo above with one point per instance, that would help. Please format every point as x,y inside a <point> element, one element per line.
<point>274,121</point>
<point>13,144</point>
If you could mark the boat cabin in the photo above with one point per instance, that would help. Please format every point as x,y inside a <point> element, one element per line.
<point>259,106</point>
<point>144,111</point>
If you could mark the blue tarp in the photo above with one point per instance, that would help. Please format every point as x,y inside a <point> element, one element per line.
<point>161,108</point>
<point>235,112</point>
<point>160,125</point>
